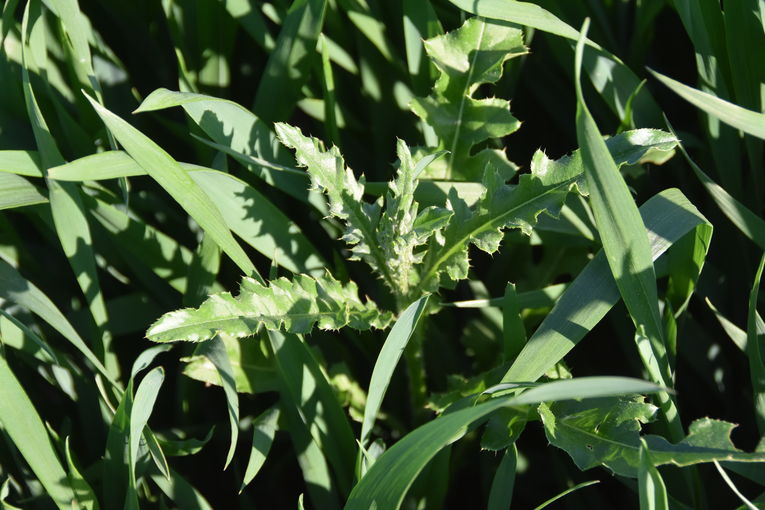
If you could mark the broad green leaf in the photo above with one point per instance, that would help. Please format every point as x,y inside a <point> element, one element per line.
<point>168,173</point>
<point>21,163</point>
<point>625,244</point>
<point>288,65</point>
<point>295,305</point>
<point>386,482</point>
<point>668,216</point>
<point>145,398</point>
<point>16,191</point>
<point>501,493</point>
<point>748,121</point>
<point>391,352</point>
<point>466,58</point>
<point>312,397</point>
<point>263,430</point>
<point>253,371</point>
<point>23,425</point>
<point>215,351</point>
<point>613,80</point>
<point>651,488</point>
<point>232,126</point>
<point>755,331</point>
<point>607,432</point>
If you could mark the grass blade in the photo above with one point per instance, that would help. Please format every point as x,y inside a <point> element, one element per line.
<point>625,244</point>
<point>386,363</point>
<point>15,191</point>
<point>513,330</point>
<point>169,174</point>
<point>651,488</point>
<point>287,67</point>
<point>181,492</point>
<point>387,481</point>
<point>21,163</point>
<point>215,351</point>
<point>263,430</point>
<point>754,331</point>
<point>316,403</point>
<point>668,216</point>
<point>86,499</point>
<point>23,425</point>
<point>748,121</point>
<point>501,494</point>
<point>566,493</point>
<point>145,397</point>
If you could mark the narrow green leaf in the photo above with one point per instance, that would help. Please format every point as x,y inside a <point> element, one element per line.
<point>668,216</point>
<point>86,498</point>
<point>252,21</point>
<point>232,126</point>
<point>263,430</point>
<point>145,397</point>
<point>566,493</point>
<point>168,173</point>
<point>23,425</point>
<point>316,403</point>
<point>181,492</point>
<point>748,121</point>
<point>21,163</point>
<point>387,481</point>
<point>288,65</point>
<point>751,225</point>
<point>625,243</point>
<point>651,488</point>
<point>755,330</point>
<point>16,191</point>
<point>733,487</point>
<point>390,354</point>
<point>215,351</point>
<point>513,330</point>
<point>16,289</point>
<point>501,493</point>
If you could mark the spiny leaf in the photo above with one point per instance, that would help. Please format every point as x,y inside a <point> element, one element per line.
<point>507,206</point>
<point>296,305</point>
<point>607,432</point>
<point>402,230</point>
<point>329,174</point>
<point>467,58</point>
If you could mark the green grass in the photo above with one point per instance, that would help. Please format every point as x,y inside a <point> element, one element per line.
<point>410,254</point>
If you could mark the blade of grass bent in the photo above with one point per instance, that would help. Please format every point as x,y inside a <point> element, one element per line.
<point>66,205</point>
<point>566,493</point>
<point>23,425</point>
<point>15,191</point>
<point>754,331</point>
<point>21,163</point>
<point>668,217</point>
<point>263,431</point>
<point>625,243</point>
<point>386,482</point>
<point>215,351</point>
<point>748,121</point>
<point>168,173</point>
<point>145,398</point>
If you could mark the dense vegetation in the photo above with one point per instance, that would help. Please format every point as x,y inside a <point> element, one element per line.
<point>382,254</point>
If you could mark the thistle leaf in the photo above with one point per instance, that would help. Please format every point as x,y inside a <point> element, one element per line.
<point>518,206</point>
<point>295,305</point>
<point>330,175</point>
<point>607,432</point>
<point>466,58</point>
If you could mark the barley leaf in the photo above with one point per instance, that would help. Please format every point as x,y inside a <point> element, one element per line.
<point>295,305</point>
